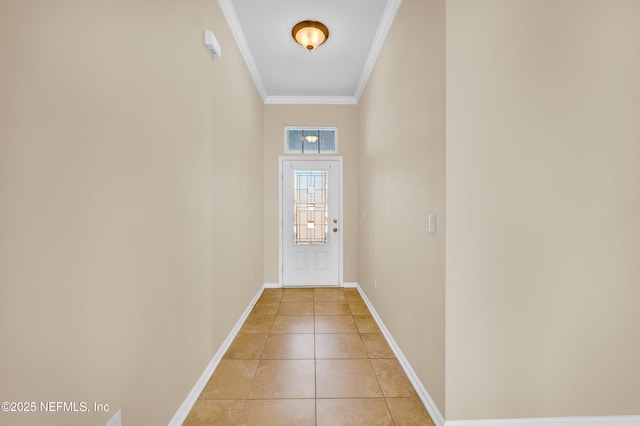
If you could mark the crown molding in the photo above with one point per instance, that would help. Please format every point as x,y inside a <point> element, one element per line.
<point>383,29</point>
<point>232,19</point>
<point>381,34</point>
<point>310,100</point>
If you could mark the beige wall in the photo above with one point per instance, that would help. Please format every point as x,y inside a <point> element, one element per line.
<point>119,273</point>
<point>345,117</point>
<point>543,237</point>
<point>401,180</point>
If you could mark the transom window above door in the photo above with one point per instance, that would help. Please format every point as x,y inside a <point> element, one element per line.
<point>310,140</point>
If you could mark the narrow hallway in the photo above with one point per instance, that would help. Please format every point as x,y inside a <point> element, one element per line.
<point>309,357</point>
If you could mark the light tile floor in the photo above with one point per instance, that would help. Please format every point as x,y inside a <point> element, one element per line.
<point>309,357</point>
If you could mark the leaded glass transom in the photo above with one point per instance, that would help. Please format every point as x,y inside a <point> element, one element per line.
<point>310,140</point>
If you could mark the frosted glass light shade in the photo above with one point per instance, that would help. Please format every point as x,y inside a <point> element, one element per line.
<point>310,34</point>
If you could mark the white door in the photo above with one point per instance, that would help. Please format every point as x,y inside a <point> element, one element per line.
<point>310,218</point>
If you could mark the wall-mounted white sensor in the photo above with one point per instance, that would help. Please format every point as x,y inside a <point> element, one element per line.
<point>212,44</point>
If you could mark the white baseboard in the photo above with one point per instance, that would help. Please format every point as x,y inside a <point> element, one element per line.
<point>272,285</point>
<point>426,399</point>
<point>344,285</point>
<point>191,399</point>
<point>552,421</point>
<point>439,420</point>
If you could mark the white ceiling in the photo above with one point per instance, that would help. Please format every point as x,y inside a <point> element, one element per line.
<point>334,73</point>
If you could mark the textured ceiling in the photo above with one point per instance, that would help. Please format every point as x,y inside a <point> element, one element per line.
<point>284,72</point>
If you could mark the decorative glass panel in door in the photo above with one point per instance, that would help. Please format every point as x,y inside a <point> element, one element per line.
<point>310,207</point>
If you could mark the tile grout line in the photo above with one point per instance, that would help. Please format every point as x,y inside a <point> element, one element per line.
<point>246,400</point>
<point>370,359</point>
<point>315,369</point>
<point>315,364</point>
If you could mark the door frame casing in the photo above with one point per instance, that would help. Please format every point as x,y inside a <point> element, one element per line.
<point>319,158</point>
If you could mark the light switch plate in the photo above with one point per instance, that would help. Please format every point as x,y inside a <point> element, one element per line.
<point>432,223</point>
<point>212,44</point>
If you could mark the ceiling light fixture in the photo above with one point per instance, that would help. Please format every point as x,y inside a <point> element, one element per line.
<point>310,34</point>
<point>311,138</point>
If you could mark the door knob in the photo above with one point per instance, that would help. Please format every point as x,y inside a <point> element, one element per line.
<point>335,229</point>
<point>335,220</point>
